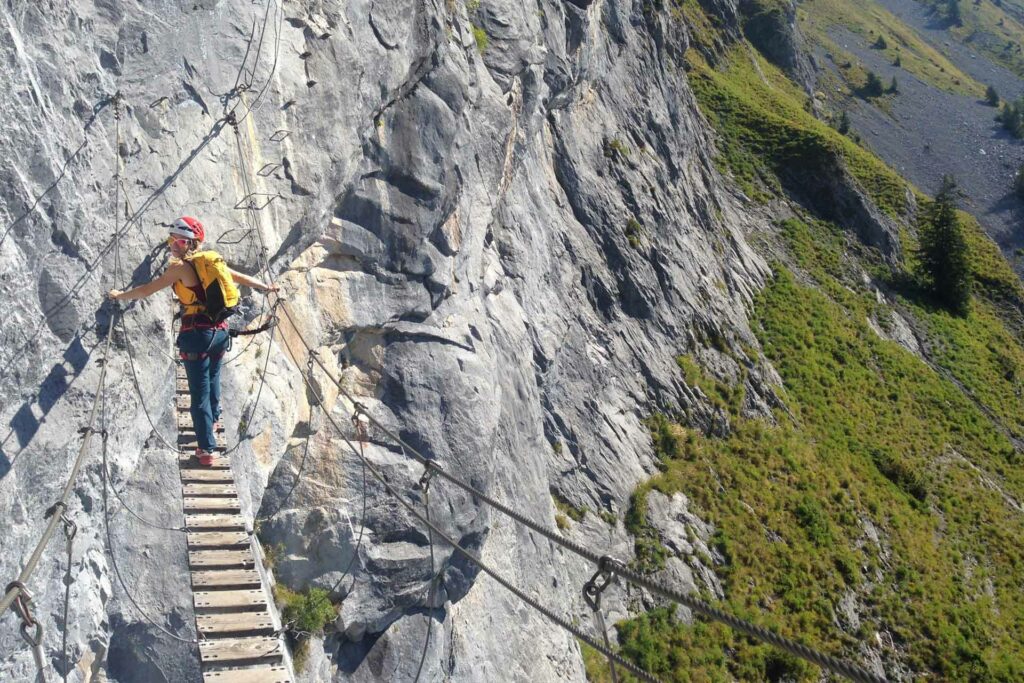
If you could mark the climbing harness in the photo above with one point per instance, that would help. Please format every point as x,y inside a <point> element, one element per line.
<point>272,322</point>
<point>592,592</point>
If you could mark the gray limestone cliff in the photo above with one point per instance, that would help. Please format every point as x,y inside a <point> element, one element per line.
<point>498,222</point>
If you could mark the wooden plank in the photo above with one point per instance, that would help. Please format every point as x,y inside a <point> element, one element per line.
<point>204,475</point>
<point>189,461</point>
<point>252,623</point>
<point>217,539</point>
<point>183,401</point>
<point>181,385</point>
<point>219,504</point>
<point>209,490</point>
<point>221,578</point>
<point>262,674</point>
<point>236,599</point>
<point>214,521</point>
<point>188,441</point>
<point>205,559</point>
<point>223,650</point>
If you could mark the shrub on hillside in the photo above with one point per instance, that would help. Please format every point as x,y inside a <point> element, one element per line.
<point>1012,117</point>
<point>991,96</point>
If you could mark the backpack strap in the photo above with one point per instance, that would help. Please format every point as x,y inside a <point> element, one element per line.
<point>198,279</point>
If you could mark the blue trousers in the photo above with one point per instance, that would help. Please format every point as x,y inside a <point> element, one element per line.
<point>204,379</point>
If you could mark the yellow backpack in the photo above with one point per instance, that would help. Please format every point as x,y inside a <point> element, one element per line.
<point>221,293</point>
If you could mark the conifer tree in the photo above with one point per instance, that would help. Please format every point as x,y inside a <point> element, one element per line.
<point>942,252</point>
<point>894,86</point>
<point>873,86</point>
<point>844,123</point>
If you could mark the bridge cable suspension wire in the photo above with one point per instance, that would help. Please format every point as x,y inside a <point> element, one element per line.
<point>486,568</point>
<point>360,427</point>
<point>253,224</point>
<point>107,484</point>
<point>70,531</point>
<point>592,592</point>
<point>118,278</point>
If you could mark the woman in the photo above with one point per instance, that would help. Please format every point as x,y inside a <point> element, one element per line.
<point>203,338</point>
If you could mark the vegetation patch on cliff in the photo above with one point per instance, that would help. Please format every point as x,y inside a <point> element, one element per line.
<point>991,26</point>
<point>307,613</point>
<point>770,141</point>
<point>886,33</point>
<point>889,488</point>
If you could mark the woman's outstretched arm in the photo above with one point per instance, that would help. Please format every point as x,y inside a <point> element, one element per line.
<point>166,279</point>
<point>243,279</point>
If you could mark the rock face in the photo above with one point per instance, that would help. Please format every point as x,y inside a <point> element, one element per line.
<point>497,223</point>
<point>772,28</point>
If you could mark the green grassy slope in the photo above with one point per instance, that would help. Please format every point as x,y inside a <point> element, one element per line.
<point>992,28</point>
<point>891,482</point>
<point>871,21</point>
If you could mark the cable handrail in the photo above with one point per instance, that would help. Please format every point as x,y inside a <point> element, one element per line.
<point>62,503</point>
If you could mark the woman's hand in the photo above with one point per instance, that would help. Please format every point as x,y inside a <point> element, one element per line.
<point>271,288</point>
<point>115,294</point>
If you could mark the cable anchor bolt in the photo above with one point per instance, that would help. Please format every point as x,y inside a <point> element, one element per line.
<point>22,604</point>
<point>70,528</point>
<point>52,510</point>
<point>428,473</point>
<point>33,641</point>
<point>604,576</point>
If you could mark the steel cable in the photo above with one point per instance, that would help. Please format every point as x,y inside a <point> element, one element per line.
<point>701,607</point>
<point>434,579</point>
<point>298,473</point>
<point>70,531</point>
<point>362,529</point>
<point>61,504</point>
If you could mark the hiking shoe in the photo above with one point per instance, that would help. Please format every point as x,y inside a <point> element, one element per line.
<point>205,458</point>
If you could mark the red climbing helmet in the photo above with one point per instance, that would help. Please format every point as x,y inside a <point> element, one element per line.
<point>189,228</point>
